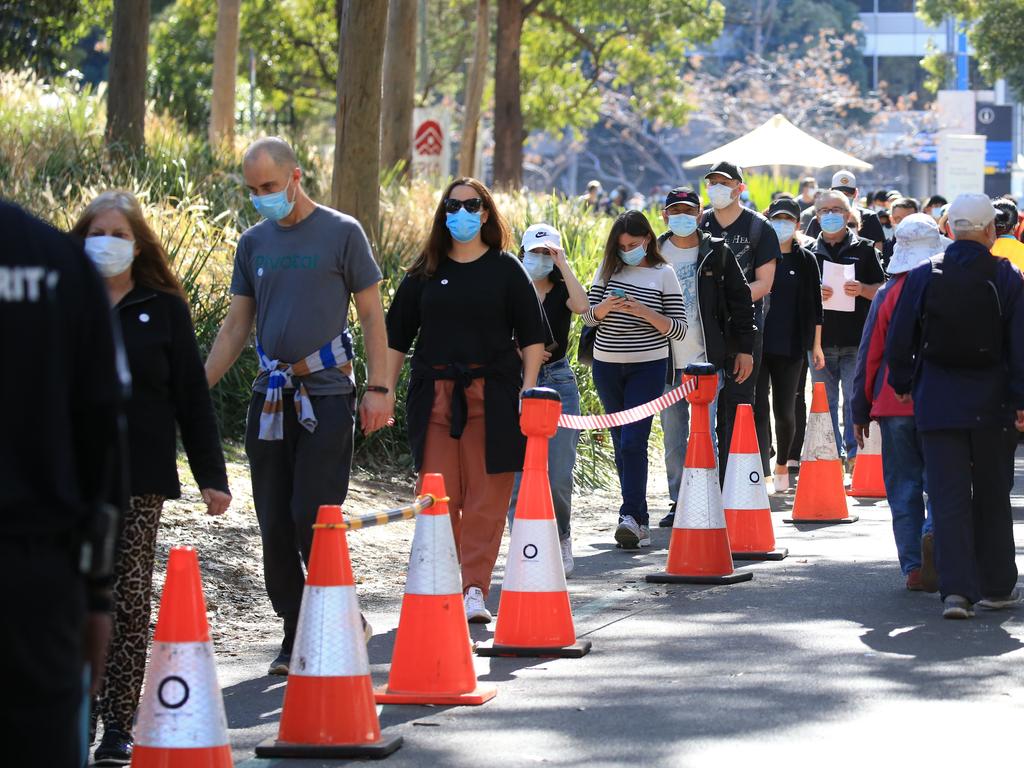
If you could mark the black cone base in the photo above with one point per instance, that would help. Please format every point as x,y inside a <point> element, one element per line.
<point>670,578</point>
<point>776,554</point>
<point>575,651</point>
<point>376,751</point>
<point>850,519</point>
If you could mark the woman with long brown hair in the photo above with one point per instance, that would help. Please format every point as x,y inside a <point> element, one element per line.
<point>169,390</point>
<point>470,308</point>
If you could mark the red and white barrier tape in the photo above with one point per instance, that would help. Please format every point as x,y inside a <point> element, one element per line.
<point>606,420</point>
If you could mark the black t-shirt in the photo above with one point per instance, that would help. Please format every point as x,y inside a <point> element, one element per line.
<point>782,323</point>
<point>843,329</point>
<point>559,318</point>
<point>870,227</point>
<point>466,313</point>
<point>737,237</point>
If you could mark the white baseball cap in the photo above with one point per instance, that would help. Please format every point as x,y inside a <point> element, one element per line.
<point>541,235</point>
<point>970,211</point>
<point>844,179</point>
<point>917,240</point>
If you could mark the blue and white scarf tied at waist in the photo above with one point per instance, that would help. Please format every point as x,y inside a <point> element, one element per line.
<point>334,354</point>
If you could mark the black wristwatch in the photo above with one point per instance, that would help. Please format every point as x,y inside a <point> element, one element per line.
<point>376,388</point>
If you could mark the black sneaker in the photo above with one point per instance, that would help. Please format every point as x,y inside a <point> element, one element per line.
<point>670,519</point>
<point>115,748</point>
<point>281,664</point>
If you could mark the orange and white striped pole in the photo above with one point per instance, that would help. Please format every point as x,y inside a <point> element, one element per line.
<point>181,722</point>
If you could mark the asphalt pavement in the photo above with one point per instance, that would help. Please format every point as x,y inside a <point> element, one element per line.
<point>822,659</point>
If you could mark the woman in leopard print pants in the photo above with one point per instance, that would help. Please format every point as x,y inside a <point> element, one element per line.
<point>169,392</point>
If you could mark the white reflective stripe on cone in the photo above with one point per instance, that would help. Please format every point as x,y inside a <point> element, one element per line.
<point>744,483</point>
<point>700,500</point>
<point>534,561</point>
<point>181,705</point>
<point>819,439</point>
<point>873,442</point>
<point>433,567</point>
<point>329,641</point>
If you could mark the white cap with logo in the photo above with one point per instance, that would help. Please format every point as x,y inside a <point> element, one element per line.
<point>973,211</point>
<point>844,179</point>
<point>541,236</point>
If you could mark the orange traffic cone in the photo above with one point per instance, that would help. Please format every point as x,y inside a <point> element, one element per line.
<point>820,495</point>
<point>868,481</point>
<point>699,548</point>
<point>181,721</point>
<point>748,515</point>
<point>328,702</point>
<point>534,616</point>
<point>433,657</point>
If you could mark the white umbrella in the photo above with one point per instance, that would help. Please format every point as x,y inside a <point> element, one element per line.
<point>778,142</point>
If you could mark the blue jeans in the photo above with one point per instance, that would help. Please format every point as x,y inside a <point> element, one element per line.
<point>840,364</point>
<point>675,424</point>
<point>621,386</point>
<point>905,477</point>
<point>561,448</point>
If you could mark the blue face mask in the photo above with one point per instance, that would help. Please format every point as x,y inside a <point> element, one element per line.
<point>274,206</point>
<point>682,224</point>
<point>633,256</point>
<point>832,223</point>
<point>784,229</point>
<point>538,265</point>
<point>463,225</point>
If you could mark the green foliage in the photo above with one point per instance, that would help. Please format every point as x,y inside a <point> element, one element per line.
<point>573,50</point>
<point>762,185</point>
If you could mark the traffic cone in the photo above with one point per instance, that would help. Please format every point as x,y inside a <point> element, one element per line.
<point>433,657</point>
<point>534,616</point>
<point>699,548</point>
<point>328,706</point>
<point>820,495</point>
<point>181,722</point>
<point>748,515</point>
<point>868,481</point>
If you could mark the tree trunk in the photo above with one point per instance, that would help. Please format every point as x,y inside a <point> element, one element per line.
<point>399,85</point>
<point>356,182</point>
<point>225,72</point>
<point>126,91</point>
<point>475,90</point>
<point>508,110</point>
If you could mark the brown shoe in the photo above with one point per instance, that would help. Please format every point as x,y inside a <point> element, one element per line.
<point>914,581</point>
<point>929,576</point>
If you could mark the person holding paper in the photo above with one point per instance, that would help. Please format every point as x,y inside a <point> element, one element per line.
<point>850,276</point>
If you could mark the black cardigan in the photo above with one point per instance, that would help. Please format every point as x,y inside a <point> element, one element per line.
<point>810,311</point>
<point>168,387</point>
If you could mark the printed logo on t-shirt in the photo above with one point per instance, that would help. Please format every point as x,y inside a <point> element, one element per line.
<point>287,261</point>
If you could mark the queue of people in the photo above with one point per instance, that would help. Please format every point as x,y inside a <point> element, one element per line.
<point>929,346</point>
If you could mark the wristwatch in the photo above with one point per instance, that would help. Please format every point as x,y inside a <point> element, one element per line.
<point>377,388</point>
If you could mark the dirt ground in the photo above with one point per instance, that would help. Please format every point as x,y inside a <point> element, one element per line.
<point>230,555</point>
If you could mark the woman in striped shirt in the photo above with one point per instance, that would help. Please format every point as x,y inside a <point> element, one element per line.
<point>637,306</point>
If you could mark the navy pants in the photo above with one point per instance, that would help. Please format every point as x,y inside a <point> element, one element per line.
<point>969,478</point>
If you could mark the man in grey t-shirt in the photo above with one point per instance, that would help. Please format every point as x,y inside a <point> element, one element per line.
<point>294,275</point>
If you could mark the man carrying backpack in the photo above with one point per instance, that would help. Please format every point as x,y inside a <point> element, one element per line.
<point>957,342</point>
<point>721,320</point>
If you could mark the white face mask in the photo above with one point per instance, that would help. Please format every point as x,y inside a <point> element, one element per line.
<point>111,255</point>
<point>720,195</point>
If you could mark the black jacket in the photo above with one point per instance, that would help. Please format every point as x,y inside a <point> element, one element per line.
<point>809,311</point>
<point>723,298</point>
<point>168,388</point>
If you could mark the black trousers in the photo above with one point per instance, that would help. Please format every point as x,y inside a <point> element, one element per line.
<point>42,715</point>
<point>291,478</point>
<point>782,375</point>
<point>969,479</point>
<point>801,414</point>
<point>733,394</point>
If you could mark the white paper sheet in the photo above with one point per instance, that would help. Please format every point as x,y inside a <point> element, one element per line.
<point>834,275</point>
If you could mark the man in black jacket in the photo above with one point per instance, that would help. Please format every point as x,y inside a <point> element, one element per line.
<point>59,462</point>
<point>720,319</point>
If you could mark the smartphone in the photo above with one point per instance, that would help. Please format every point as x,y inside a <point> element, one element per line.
<point>618,292</point>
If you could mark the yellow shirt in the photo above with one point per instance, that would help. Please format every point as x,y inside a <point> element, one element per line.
<point>1009,247</point>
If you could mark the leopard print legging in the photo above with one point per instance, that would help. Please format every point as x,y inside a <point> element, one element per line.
<point>133,588</point>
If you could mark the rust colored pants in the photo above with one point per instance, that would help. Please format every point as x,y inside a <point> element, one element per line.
<point>478,502</point>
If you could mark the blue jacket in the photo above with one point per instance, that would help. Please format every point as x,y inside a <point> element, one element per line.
<point>959,398</point>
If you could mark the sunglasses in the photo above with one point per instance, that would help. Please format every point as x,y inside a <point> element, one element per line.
<point>473,205</point>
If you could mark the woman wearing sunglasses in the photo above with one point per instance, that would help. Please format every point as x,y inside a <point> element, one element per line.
<point>561,297</point>
<point>468,306</point>
<point>637,305</point>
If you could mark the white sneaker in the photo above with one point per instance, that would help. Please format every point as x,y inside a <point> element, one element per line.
<point>781,482</point>
<point>568,564</point>
<point>476,610</point>
<point>632,535</point>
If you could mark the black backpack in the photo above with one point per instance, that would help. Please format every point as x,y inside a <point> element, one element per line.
<point>963,317</point>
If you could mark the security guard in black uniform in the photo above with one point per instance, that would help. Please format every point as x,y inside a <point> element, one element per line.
<point>59,472</point>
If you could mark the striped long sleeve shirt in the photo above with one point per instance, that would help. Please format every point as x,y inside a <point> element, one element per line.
<point>623,338</point>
